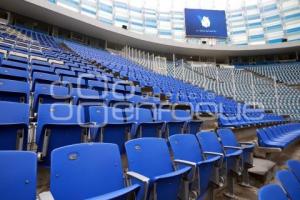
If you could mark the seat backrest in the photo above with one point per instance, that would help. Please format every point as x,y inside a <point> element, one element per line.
<point>209,142</point>
<point>59,118</point>
<point>84,94</point>
<point>228,138</point>
<point>290,183</point>
<point>16,91</point>
<point>182,115</point>
<point>294,166</point>
<point>106,115</point>
<point>14,119</point>
<point>148,156</point>
<point>83,171</point>
<point>18,171</point>
<point>164,115</point>
<point>139,115</point>
<point>271,191</point>
<point>186,147</point>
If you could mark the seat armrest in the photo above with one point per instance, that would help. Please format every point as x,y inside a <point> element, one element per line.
<point>138,176</point>
<point>173,174</point>
<point>213,153</point>
<point>192,164</point>
<point>145,180</point>
<point>247,143</point>
<point>117,193</point>
<point>45,196</point>
<point>233,147</point>
<point>210,160</point>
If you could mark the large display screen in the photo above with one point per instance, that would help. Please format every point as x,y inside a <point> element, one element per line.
<point>205,23</point>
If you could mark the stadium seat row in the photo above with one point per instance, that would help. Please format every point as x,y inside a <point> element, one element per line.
<point>63,124</point>
<point>94,170</point>
<point>280,136</point>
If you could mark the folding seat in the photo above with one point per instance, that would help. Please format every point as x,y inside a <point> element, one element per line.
<point>115,99</point>
<point>133,89</point>
<point>62,69</point>
<point>47,94</point>
<point>14,65</point>
<point>109,125</point>
<point>40,63</point>
<point>15,91</point>
<point>231,144</point>
<point>14,122</point>
<point>150,164</point>
<point>97,167</point>
<point>74,82</point>
<point>144,123</point>
<point>13,74</point>
<point>134,99</point>
<point>117,87</point>
<point>176,121</point>
<point>86,76</point>
<point>41,68</point>
<point>18,175</point>
<point>187,152</point>
<point>63,72</point>
<point>45,78</point>
<point>231,159</point>
<point>290,183</point>
<point>59,125</point>
<point>294,166</point>
<point>88,96</point>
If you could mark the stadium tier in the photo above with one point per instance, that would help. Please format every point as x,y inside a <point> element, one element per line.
<point>285,72</point>
<point>149,100</point>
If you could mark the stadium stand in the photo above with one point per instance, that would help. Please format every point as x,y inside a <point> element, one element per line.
<point>82,112</point>
<point>236,83</point>
<point>284,72</point>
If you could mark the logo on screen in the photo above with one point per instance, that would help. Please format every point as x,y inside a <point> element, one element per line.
<point>205,22</point>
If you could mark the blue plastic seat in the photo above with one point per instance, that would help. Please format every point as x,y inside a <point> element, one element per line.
<point>47,94</point>
<point>271,191</point>
<point>290,183</point>
<point>98,85</point>
<point>144,124</point>
<point>232,160</point>
<point>150,158</point>
<point>45,78</point>
<point>176,121</point>
<point>59,125</point>
<point>14,122</point>
<point>109,125</point>
<point>74,82</point>
<point>64,72</point>
<point>14,74</point>
<point>18,175</point>
<point>15,65</point>
<point>231,144</point>
<point>294,166</point>
<point>40,63</point>
<point>41,68</point>
<point>86,96</point>
<point>14,91</point>
<point>88,171</point>
<point>187,152</point>
<point>210,143</point>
